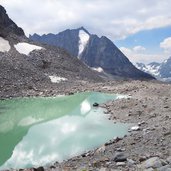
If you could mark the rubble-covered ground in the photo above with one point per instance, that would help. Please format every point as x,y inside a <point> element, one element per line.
<point>148,147</point>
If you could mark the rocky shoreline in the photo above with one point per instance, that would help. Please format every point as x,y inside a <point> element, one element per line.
<point>147,147</point>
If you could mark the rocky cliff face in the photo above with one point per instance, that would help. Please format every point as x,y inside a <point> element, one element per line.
<point>94,51</point>
<point>7,25</point>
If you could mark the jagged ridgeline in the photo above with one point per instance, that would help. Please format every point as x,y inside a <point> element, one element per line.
<point>99,53</point>
<point>159,70</point>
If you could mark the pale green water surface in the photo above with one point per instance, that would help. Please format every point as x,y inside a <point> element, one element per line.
<point>39,131</point>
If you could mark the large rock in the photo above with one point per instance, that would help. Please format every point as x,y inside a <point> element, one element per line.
<point>120,157</point>
<point>153,162</point>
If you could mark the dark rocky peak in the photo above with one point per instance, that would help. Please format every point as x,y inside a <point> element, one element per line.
<point>7,26</point>
<point>67,39</point>
<point>83,29</point>
<point>94,51</point>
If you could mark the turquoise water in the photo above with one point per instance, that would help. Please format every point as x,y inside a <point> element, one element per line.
<point>39,131</point>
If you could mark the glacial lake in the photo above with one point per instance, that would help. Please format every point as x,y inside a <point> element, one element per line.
<point>42,130</point>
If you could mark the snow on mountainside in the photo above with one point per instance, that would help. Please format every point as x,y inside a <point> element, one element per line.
<point>99,69</point>
<point>84,38</point>
<point>151,68</point>
<point>56,79</point>
<point>161,71</point>
<point>26,65</point>
<point>4,45</point>
<point>26,48</point>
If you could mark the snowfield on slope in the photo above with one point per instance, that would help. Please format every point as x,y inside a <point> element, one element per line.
<point>4,45</point>
<point>84,38</point>
<point>26,48</point>
<point>152,70</point>
<point>99,69</point>
<point>56,79</point>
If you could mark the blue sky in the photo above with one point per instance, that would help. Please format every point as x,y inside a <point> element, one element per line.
<point>147,45</point>
<point>140,28</point>
<point>150,39</point>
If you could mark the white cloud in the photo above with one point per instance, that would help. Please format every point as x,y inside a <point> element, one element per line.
<point>139,49</point>
<point>115,19</point>
<point>141,56</point>
<point>166,45</point>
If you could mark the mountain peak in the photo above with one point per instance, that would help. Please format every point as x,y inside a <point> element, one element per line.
<point>7,26</point>
<point>83,29</point>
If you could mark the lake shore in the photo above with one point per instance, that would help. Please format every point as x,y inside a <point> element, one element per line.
<point>149,107</point>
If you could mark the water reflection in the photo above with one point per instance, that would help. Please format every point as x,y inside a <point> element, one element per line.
<point>56,132</point>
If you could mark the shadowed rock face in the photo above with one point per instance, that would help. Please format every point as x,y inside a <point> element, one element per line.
<point>101,52</point>
<point>67,39</point>
<point>7,25</point>
<point>98,52</point>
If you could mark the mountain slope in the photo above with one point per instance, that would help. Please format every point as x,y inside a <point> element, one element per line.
<point>94,51</point>
<point>7,26</point>
<point>27,65</point>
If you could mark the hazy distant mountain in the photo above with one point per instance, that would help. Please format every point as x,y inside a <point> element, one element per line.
<point>98,53</point>
<point>151,68</point>
<point>161,71</point>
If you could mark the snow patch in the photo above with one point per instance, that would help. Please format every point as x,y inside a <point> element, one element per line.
<point>135,128</point>
<point>99,69</point>
<point>26,48</point>
<point>154,70</point>
<point>4,45</point>
<point>151,69</point>
<point>165,61</point>
<point>84,38</point>
<point>56,79</point>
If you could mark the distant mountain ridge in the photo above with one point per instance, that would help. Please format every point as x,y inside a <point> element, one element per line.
<point>94,51</point>
<point>161,71</point>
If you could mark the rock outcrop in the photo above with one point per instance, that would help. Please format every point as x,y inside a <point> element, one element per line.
<point>7,26</point>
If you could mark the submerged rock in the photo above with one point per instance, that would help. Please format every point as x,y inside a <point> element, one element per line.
<point>39,169</point>
<point>95,104</point>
